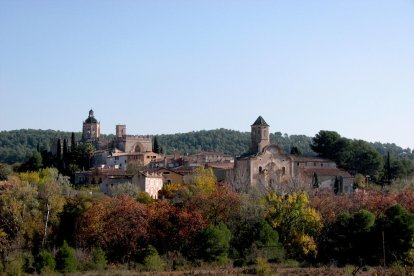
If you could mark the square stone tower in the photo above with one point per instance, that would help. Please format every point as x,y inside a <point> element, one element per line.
<point>260,135</point>
<point>91,128</point>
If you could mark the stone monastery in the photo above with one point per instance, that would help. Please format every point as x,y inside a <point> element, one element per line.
<point>129,159</point>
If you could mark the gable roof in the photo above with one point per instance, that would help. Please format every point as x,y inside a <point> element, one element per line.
<point>260,122</point>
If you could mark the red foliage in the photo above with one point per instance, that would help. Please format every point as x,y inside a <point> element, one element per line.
<point>330,205</point>
<point>172,228</point>
<point>117,225</point>
<point>406,199</point>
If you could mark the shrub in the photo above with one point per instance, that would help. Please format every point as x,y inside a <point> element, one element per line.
<point>153,261</point>
<point>65,259</point>
<point>45,262</point>
<point>98,259</point>
<point>262,266</point>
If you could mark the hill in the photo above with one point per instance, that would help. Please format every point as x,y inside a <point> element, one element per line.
<point>18,145</point>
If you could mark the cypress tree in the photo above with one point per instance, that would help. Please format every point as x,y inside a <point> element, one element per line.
<point>388,168</point>
<point>156,146</point>
<point>65,148</point>
<point>59,150</point>
<point>72,143</point>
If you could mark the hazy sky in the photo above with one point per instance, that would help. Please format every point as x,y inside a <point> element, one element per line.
<point>177,66</point>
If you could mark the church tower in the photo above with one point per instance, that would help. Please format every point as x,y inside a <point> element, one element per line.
<point>260,135</point>
<point>91,128</point>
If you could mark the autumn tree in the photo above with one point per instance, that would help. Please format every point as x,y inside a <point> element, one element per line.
<point>118,225</point>
<point>172,228</point>
<point>297,223</point>
<point>202,179</point>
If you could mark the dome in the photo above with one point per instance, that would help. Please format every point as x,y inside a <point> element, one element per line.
<point>91,119</point>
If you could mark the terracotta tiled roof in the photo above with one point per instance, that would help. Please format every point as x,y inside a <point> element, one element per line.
<point>221,165</point>
<point>309,159</point>
<point>325,172</point>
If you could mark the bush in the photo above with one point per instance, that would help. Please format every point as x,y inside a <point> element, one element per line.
<point>153,261</point>
<point>65,259</point>
<point>262,266</point>
<point>14,264</point>
<point>98,259</point>
<point>45,262</point>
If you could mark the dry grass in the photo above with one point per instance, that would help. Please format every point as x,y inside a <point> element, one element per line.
<point>276,270</point>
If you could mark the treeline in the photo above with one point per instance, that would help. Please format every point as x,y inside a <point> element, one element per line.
<point>199,223</point>
<point>383,163</point>
<point>17,146</point>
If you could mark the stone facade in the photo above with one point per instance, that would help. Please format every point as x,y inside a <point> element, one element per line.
<point>148,182</point>
<point>91,129</point>
<point>267,167</point>
<point>131,143</point>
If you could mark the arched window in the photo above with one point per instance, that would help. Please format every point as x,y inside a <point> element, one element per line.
<point>260,169</point>
<point>283,170</point>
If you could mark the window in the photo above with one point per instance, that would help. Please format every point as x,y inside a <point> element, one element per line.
<point>321,164</point>
<point>166,173</point>
<point>260,170</point>
<point>283,170</point>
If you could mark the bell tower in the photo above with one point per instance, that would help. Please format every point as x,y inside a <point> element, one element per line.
<point>260,135</point>
<point>91,128</point>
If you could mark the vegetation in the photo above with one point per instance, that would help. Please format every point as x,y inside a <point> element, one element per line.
<point>200,223</point>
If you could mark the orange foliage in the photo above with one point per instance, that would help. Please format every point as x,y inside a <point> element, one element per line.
<point>221,205</point>
<point>118,225</point>
<point>172,228</point>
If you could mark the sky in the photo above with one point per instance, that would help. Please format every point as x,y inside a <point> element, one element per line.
<point>169,66</point>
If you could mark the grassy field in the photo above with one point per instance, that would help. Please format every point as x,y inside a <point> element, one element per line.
<point>274,270</point>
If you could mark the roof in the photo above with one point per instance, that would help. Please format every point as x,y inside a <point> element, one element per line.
<point>326,172</point>
<point>260,122</point>
<point>309,159</point>
<point>91,119</point>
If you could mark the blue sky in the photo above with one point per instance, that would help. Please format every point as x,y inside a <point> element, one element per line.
<point>177,66</point>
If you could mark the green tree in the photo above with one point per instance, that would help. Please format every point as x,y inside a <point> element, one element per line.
<point>45,262</point>
<point>59,151</point>
<point>34,163</point>
<point>65,259</point>
<point>156,146</point>
<point>295,151</point>
<point>397,228</point>
<point>349,240</point>
<point>214,243</point>
<point>364,159</point>
<point>5,171</point>
<point>65,149</point>
<point>72,142</point>
<point>98,259</point>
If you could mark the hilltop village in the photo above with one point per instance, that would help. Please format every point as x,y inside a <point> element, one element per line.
<point>131,159</point>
